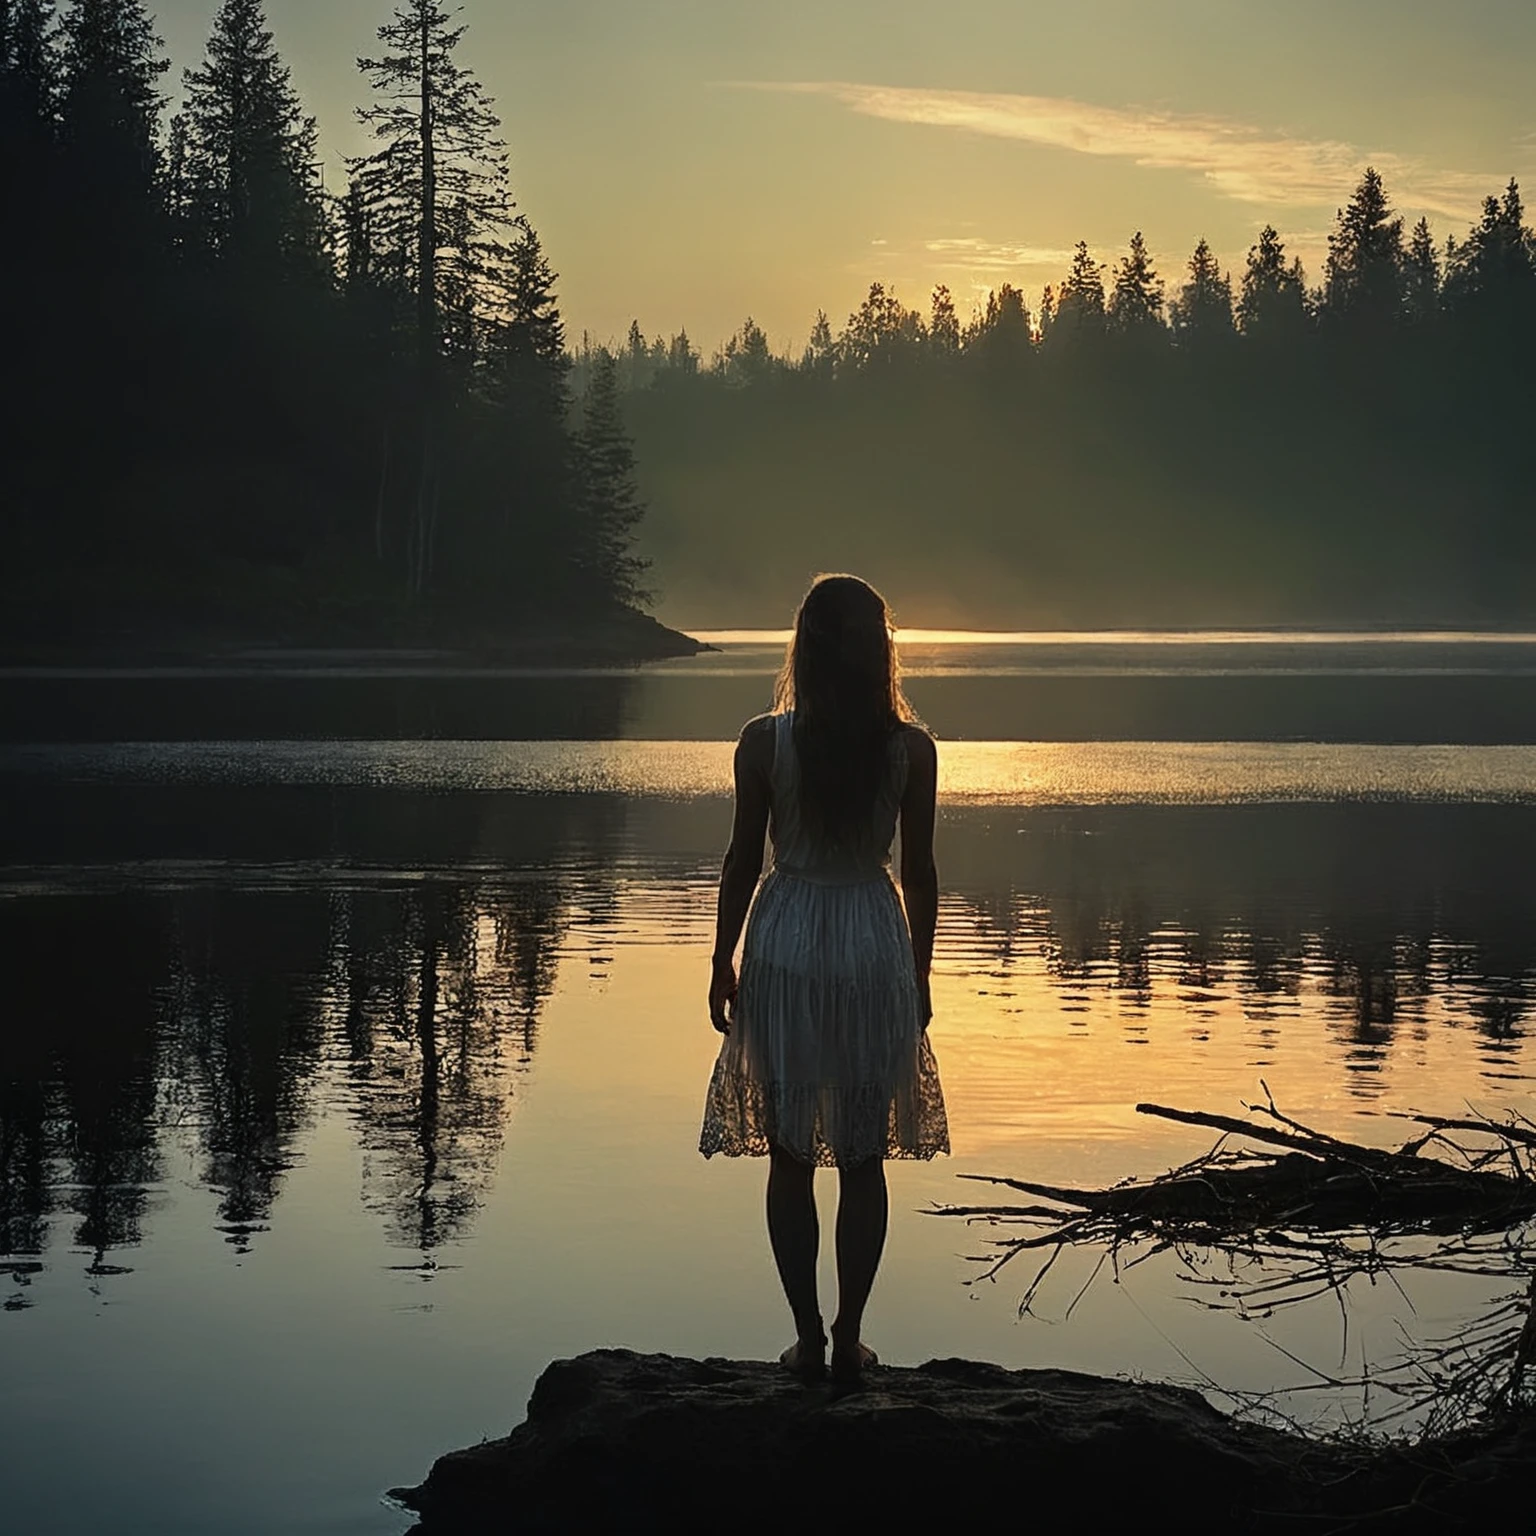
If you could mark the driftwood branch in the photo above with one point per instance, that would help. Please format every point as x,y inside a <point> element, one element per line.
<point>1297,1215</point>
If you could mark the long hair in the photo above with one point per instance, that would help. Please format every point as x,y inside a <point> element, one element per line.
<point>842,679</point>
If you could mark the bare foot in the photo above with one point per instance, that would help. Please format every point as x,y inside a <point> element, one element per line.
<point>806,1359</point>
<point>850,1363</point>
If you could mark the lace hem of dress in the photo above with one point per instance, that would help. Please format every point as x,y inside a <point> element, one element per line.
<point>827,1127</point>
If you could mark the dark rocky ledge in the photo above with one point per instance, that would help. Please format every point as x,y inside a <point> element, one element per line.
<point>620,1441</point>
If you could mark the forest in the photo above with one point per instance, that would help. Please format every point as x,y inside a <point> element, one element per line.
<point>240,406</point>
<point>1216,449</point>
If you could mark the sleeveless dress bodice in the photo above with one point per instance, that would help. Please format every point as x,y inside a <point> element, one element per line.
<point>827,1057</point>
<point>864,856</point>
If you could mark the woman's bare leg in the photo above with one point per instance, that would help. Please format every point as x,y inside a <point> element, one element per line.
<point>795,1236</point>
<point>862,1210</point>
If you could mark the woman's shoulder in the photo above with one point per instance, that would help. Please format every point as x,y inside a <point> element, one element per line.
<point>918,741</point>
<point>756,742</point>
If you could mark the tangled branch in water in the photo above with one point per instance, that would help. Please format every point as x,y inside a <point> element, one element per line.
<point>1297,1215</point>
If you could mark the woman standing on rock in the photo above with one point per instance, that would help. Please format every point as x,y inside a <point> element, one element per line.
<point>826,1060</point>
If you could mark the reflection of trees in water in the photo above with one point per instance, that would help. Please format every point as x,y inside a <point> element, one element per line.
<point>213,1017</point>
<point>77,1073</point>
<point>444,986</point>
<point>1380,908</point>
<point>243,1040</point>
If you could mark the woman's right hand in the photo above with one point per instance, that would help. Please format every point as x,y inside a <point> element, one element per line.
<point>722,994</point>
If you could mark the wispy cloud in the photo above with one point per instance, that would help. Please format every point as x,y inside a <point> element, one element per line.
<point>1239,161</point>
<point>974,255</point>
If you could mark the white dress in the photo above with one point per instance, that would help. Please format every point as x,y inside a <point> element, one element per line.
<point>827,1056</point>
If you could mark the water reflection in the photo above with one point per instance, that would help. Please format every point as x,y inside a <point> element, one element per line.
<point>220,1007</point>
<point>224,1019</point>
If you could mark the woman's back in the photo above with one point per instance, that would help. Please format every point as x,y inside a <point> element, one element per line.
<point>862,853</point>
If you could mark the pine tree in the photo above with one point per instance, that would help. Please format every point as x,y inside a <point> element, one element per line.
<point>29,75</point>
<point>821,349</point>
<point>1079,300</point>
<point>638,368</point>
<point>1047,312</point>
<point>943,324</point>
<point>610,498</point>
<point>250,151</point>
<point>1493,271</point>
<point>437,196</point>
<point>441,150</point>
<point>1202,311</point>
<point>109,109</point>
<point>880,330</point>
<point>1363,284</point>
<point>531,368</point>
<point>1421,276</point>
<point>747,358</point>
<point>1273,304</point>
<point>682,358</point>
<point>1001,333</point>
<point>1135,309</point>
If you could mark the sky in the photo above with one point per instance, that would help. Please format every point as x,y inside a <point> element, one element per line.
<point>692,162</point>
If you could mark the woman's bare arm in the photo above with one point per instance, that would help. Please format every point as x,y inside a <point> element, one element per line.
<point>743,861</point>
<point>919,874</point>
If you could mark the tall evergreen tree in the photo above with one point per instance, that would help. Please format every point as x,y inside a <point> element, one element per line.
<point>1135,309</point>
<point>1202,311</point>
<point>529,359</point>
<point>109,109</point>
<point>747,358</point>
<point>437,193</point>
<point>441,149</point>
<point>611,508</point>
<point>682,357</point>
<point>1001,333</point>
<point>250,186</point>
<point>1363,284</point>
<point>29,74</point>
<point>1493,271</point>
<point>821,349</point>
<point>1080,299</point>
<point>1272,306</point>
<point>881,330</point>
<point>1421,276</point>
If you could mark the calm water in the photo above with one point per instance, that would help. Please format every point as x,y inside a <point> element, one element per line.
<point>342,1085</point>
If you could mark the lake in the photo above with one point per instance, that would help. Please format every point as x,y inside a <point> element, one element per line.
<point>344,1083</point>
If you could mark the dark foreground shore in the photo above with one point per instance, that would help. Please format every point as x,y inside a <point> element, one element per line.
<point>620,1441</point>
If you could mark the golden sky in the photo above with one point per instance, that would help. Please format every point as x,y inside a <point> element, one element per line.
<point>693,161</point>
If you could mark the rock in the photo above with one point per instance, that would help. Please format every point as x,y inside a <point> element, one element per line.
<point>621,1441</point>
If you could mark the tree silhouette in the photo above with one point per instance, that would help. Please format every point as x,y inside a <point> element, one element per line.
<point>1001,333</point>
<point>435,192</point>
<point>109,103</point>
<point>1135,310</point>
<point>1421,276</point>
<point>1079,300</point>
<point>1273,302</point>
<point>882,330</point>
<point>1363,284</point>
<point>1201,312</point>
<point>611,504</point>
<point>943,323</point>
<point>246,183</point>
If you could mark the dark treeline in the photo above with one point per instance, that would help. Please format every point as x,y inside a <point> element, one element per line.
<point>1217,448</point>
<point>238,401</point>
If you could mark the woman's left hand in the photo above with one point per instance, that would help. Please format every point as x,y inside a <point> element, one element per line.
<point>722,995</point>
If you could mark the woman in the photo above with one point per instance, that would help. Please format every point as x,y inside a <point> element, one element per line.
<point>826,1058</point>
